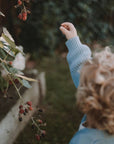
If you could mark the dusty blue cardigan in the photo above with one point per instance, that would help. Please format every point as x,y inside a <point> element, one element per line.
<point>77,55</point>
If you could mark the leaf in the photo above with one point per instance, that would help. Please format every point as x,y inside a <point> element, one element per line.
<point>5,67</point>
<point>2,54</point>
<point>7,49</point>
<point>10,42</point>
<point>26,78</point>
<point>26,83</point>
<point>1,44</point>
<point>13,70</point>
<point>2,14</point>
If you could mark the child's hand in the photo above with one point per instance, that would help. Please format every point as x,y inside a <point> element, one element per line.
<point>68,30</point>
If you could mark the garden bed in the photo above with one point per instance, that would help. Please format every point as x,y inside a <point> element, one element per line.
<point>10,127</point>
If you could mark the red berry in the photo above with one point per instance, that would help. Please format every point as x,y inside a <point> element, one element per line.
<point>30,108</point>
<point>16,81</point>
<point>24,16</point>
<point>29,103</point>
<point>40,121</point>
<point>24,13</point>
<point>38,137</point>
<point>21,111</point>
<point>21,106</point>
<point>10,63</point>
<point>19,2</point>
<point>20,16</point>
<point>10,82</point>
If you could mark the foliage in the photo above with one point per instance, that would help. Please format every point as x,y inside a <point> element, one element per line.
<point>92,18</point>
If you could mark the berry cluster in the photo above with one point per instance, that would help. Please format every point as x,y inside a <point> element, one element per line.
<point>24,11</point>
<point>24,109</point>
<point>42,134</point>
<point>37,124</point>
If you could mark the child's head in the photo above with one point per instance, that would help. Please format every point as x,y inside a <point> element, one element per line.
<point>95,95</point>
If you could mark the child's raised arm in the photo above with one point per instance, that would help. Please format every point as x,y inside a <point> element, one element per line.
<point>78,52</point>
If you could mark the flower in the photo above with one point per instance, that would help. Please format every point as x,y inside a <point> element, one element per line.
<point>19,62</point>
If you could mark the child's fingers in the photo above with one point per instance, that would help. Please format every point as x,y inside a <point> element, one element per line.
<point>63,30</point>
<point>66,27</point>
<point>68,24</point>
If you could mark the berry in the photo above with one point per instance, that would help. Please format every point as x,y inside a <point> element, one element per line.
<point>20,119</point>
<point>37,137</point>
<point>24,16</point>
<point>10,82</point>
<point>29,103</point>
<point>26,110</point>
<point>40,121</point>
<point>33,127</point>
<point>21,111</point>
<point>19,2</point>
<point>24,113</point>
<point>21,106</point>
<point>30,108</point>
<point>10,62</point>
<point>43,133</point>
<point>20,16</point>
<point>16,81</point>
<point>40,110</point>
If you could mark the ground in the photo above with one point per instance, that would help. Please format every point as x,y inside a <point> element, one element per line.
<point>60,111</point>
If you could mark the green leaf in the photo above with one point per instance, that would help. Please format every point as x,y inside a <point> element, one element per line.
<point>7,49</point>
<point>2,54</point>
<point>13,70</point>
<point>1,44</point>
<point>10,42</point>
<point>4,66</point>
<point>26,84</point>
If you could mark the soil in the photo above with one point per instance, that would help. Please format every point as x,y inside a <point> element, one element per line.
<point>7,102</point>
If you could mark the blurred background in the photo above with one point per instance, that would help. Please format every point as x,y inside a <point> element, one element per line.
<point>40,36</point>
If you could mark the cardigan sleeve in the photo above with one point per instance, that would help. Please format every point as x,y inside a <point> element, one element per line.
<point>78,53</point>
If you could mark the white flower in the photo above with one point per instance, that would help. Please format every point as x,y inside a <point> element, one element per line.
<point>19,62</point>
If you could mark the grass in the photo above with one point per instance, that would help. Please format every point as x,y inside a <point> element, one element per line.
<point>61,113</point>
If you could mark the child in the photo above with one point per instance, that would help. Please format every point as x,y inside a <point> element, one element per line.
<point>95,96</point>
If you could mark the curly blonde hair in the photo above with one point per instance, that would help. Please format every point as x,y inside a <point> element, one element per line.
<point>95,96</point>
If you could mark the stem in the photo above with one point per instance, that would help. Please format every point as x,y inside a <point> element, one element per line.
<point>35,123</point>
<point>3,61</point>
<point>7,55</point>
<point>15,87</point>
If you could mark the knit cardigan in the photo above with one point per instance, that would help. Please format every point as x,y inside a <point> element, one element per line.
<point>78,53</point>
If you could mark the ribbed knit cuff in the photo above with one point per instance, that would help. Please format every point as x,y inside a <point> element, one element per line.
<point>73,43</point>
